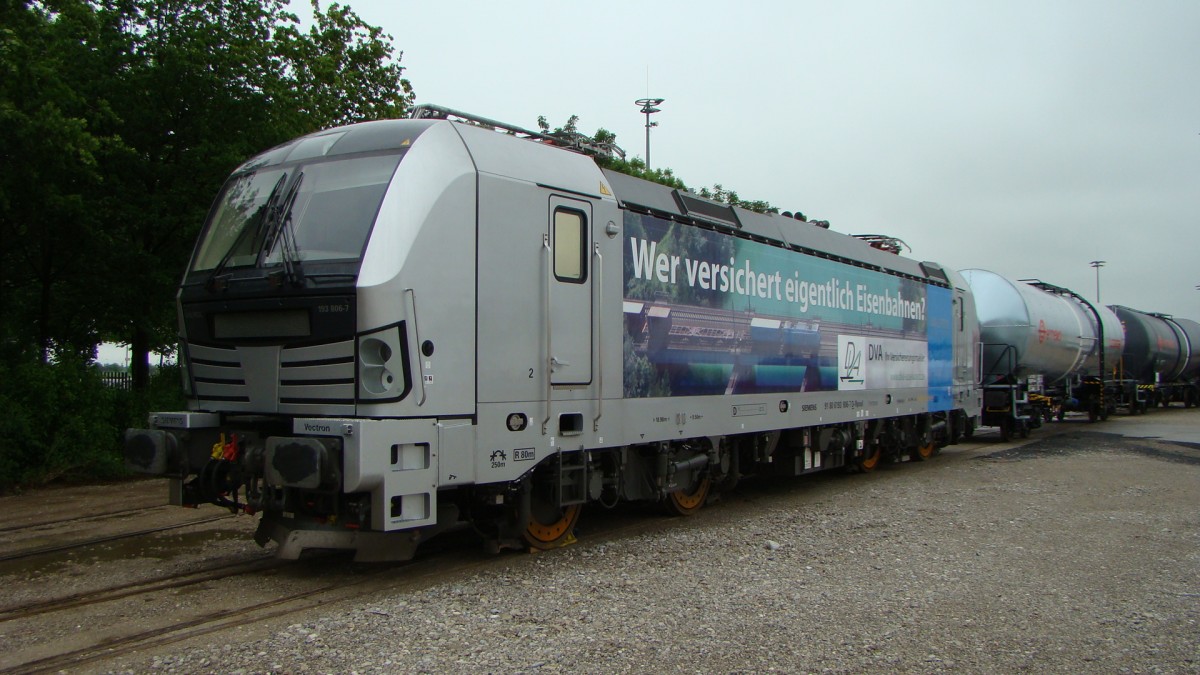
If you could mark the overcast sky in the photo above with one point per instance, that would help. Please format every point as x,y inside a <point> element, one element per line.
<point>1027,138</point>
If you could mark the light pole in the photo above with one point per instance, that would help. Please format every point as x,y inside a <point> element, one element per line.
<point>1097,264</point>
<point>647,105</point>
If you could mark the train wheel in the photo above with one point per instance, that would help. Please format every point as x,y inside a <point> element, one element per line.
<point>550,525</point>
<point>871,461</point>
<point>923,452</point>
<point>683,503</point>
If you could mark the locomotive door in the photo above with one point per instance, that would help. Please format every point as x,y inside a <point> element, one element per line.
<point>569,288</point>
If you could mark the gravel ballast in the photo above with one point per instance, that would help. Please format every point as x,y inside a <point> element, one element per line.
<point>1077,553</point>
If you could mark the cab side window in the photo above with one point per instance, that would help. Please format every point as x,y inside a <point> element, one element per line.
<point>570,246</point>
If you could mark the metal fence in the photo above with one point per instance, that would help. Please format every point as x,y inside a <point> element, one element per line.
<point>116,379</point>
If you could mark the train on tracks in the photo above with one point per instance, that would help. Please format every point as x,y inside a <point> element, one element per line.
<point>395,327</point>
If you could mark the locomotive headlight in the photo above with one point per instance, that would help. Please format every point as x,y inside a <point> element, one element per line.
<point>382,366</point>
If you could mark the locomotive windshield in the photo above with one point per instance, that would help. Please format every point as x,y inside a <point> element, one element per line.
<point>327,208</point>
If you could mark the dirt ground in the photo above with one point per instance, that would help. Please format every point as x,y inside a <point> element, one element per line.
<point>1074,551</point>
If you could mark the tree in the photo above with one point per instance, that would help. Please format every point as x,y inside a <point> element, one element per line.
<point>125,116</point>
<point>119,120</point>
<point>341,71</point>
<point>49,148</point>
<point>637,167</point>
<point>197,87</point>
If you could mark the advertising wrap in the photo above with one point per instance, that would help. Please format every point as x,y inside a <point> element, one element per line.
<point>708,313</point>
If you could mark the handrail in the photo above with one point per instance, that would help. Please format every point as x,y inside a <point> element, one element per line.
<point>415,347</point>
<point>549,329</point>
<point>1007,354</point>
<point>599,335</point>
<point>979,363</point>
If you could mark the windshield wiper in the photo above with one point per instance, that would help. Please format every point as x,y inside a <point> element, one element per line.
<point>212,283</point>
<point>285,236</point>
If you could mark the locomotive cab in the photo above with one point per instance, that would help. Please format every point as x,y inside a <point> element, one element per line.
<point>311,383</point>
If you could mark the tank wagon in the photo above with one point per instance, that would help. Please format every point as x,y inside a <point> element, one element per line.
<point>1161,360</point>
<point>1046,350</point>
<point>396,326</point>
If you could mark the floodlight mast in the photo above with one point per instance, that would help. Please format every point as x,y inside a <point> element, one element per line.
<point>648,109</point>
<point>1097,264</point>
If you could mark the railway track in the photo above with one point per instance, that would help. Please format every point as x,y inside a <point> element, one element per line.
<point>80,519</point>
<point>178,632</point>
<point>438,561</point>
<point>94,541</point>
<point>435,563</point>
<point>142,587</point>
<point>430,566</point>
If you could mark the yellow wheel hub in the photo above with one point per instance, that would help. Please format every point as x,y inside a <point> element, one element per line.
<point>684,503</point>
<point>871,461</point>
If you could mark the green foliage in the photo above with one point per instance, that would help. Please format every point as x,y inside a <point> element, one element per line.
<point>62,423</point>
<point>341,71</point>
<point>49,153</point>
<point>125,117</point>
<point>119,121</point>
<point>720,194</point>
<point>637,167</point>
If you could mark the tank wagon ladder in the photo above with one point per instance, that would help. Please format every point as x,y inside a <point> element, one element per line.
<point>1006,401</point>
<point>1128,392</point>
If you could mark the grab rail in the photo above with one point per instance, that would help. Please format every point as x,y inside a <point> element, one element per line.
<point>549,329</point>
<point>599,335</point>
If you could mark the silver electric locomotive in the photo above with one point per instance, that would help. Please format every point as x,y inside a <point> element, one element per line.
<point>393,327</point>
